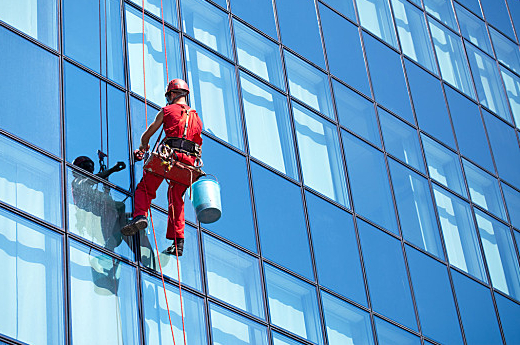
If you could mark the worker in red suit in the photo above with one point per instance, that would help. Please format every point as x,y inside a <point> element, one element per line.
<point>186,137</point>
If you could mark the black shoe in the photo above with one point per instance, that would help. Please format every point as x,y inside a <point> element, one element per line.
<point>137,224</point>
<point>177,244</point>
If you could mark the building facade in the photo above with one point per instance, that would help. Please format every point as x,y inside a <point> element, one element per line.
<point>367,150</point>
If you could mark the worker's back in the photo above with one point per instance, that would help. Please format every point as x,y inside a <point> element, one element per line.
<point>174,121</point>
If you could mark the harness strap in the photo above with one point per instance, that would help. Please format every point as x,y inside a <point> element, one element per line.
<point>187,122</point>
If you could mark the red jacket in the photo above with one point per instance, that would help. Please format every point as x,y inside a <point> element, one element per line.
<point>174,121</point>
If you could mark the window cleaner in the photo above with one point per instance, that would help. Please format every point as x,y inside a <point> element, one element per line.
<point>177,159</point>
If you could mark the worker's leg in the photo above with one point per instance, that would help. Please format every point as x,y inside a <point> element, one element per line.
<point>175,211</point>
<point>145,193</point>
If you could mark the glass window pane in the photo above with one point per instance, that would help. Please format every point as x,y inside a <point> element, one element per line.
<point>231,170</point>
<point>500,255</point>
<point>279,339</point>
<point>99,110</point>
<point>472,5</point>
<point>30,181</point>
<point>31,283</point>
<point>401,140</point>
<point>343,44</point>
<point>512,197</point>
<point>260,14</point>
<point>386,275</point>
<point>443,165</point>
<point>207,24</point>
<point>281,221</point>
<point>509,312</point>
<point>233,276</point>
<point>346,324</point>
<point>155,65</point>
<point>157,325</point>
<point>434,299</point>
<point>97,213</point>
<point>442,10</point>
<point>506,50</point>
<point>369,182</point>
<point>413,34</point>
<point>473,29</point>
<point>356,113</point>
<point>169,9</point>
<point>320,155</point>
<point>25,65</point>
<point>454,68</point>
<point>335,249</point>
<point>478,318</point>
<point>487,80</point>
<point>268,128</point>
<point>258,54</point>
<point>459,233</point>
<point>37,18</point>
<point>388,334</point>
<point>230,328</point>
<point>92,36</point>
<point>388,79</point>
<point>293,304</point>
<point>415,207</point>
<point>309,84</point>
<point>303,39</point>
<point>189,263</point>
<point>512,84</point>
<point>484,190</point>
<point>214,93</point>
<point>504,144</point>
<point>496,14</point>
<point>375,16</point>
<point>469,129</point>
<point>344,7</point>
<point>103,298</point>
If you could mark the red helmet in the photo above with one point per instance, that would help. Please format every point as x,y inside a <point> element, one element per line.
<point>177,84</point>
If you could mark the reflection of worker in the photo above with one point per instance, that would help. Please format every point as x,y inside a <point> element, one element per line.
<point>186,138</point>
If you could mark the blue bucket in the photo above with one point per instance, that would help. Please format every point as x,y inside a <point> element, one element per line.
<point>205,197</point>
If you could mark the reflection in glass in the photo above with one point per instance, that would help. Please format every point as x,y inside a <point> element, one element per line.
<point>157,325</point>
<point>214,93</point>
<point>506,50</point>
<point>415,208</point>
<point>207,24</point>
<point>443,165</point>
<point>512,197</point>
<point>37,18</point>
<point>268,127</point>
<point>375,16</point>
<point>473,29</point>
<point>413,34</point>
<point>155,64</point>
<point>309,84</point>
<point>488,83</point>
<point>512,84</point>
<point>168,12</point>
<point>459,233</point>
<point>24,65</point>
<point>389,334</point>
<point>320,154</point>
<point>450,54</point>
<point>346,324</point>
<point>279,339</point>
<point>483,189</point>
<point>293,304</point>
<point>30,181</point>
<point>233,276</point>
<point>31,283</point>
<point>230,328</point>
<point>442,10</point>
<point>102,298</point>
<point>258,13</point>
<point>369,182</point>
<point>356,113</point>
<point>189,263</point>
<point>401,140</point>
<point>258,54</point>
<point>500,254</point>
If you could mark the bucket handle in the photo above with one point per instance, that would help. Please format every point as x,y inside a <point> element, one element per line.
<point>216,179</point>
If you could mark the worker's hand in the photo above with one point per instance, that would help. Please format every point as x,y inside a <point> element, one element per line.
<point>144,147</point>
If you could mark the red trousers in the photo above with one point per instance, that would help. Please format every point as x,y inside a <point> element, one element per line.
<point>145,193</point>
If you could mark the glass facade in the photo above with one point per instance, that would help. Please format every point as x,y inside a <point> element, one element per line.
<point>367,150</point>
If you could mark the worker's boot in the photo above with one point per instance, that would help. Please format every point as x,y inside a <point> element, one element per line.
<point>137,224</point>
<point>178,244</point>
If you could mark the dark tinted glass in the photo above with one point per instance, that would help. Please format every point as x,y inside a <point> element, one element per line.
<point>303,39</point>
<point>496,14</point>
<point>32,117</point>
<point>335,249</point>
<point>283,234</point>
<point>430,107</point>
<point>514,9</point>
<point>473,5</point>
<point>344,52</point>
<point>388,334</point>
<point>258,13</point>
<point>469,129</point>
<point>387,76</point>
<point>434,299</point>
<point>344,7</point>
<point>509,313</point>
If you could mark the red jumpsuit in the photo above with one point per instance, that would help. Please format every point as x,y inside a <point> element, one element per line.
<point>174,121</point>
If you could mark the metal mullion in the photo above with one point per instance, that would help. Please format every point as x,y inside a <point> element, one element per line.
<point>314,111</point>
<point>229,243</point>
<point>225,305</point>
<point>291,335</point>
<point>206,47</point>
<point>22,34</point>
<point>336,11</point>
<point>8,340</point>
<point>253,28</point>
<point>69,166</point>
<point>252,74</point>
<point>27,216</point>
<point>149,14</point>
<point>515,29</point>
<point>275,171</point>
<point>98,75</point>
